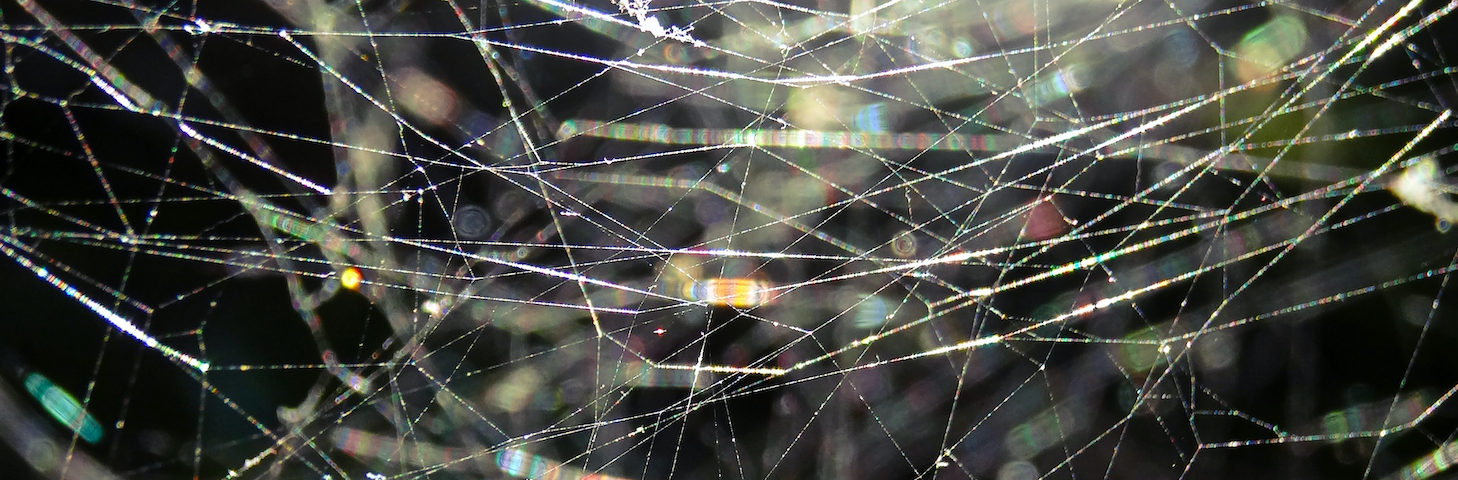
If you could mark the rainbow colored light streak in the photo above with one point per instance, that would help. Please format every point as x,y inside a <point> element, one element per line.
<point>512,461</point>
<point>664,134</point>
<point>309,230</point>
<point>1375,415</point>
<point>366,446</point>
<point>522,464</point>
<point>728,292</point>
<point>111,317</point>
<point>1430,465</point>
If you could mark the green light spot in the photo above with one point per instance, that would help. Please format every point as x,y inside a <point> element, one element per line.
<point>63,407</point>
<point>1276,42</point>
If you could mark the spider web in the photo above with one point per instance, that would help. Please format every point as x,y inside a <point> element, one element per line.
<point>745,239</point>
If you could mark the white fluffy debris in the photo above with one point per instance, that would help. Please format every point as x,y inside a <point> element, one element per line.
<point>1421,186</point>
<point>649,23</point>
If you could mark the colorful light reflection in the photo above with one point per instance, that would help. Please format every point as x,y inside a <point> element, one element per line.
<point>63,407</point>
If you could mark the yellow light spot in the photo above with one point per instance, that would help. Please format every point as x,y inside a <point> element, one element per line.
<point>350,278</point>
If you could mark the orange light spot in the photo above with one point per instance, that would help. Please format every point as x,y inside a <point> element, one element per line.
<point>350,278</point>
<point>729,292</point>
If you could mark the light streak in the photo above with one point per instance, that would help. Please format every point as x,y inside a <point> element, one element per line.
<point>111,317</point>
<point>663,134</point>
<point>728,292</point>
